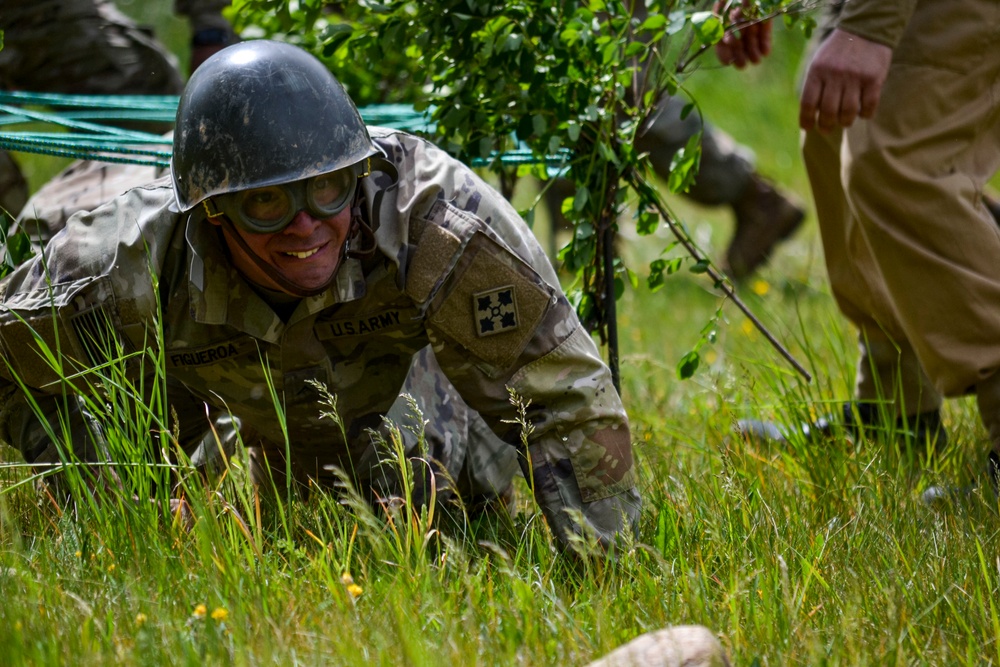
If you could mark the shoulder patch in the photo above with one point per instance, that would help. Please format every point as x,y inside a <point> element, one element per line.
<point>496,311</point>
<point>494,304</point>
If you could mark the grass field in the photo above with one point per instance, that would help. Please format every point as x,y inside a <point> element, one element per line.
<point>796,554</point>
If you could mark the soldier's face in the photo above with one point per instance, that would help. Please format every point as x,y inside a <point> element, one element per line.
<point>307,252</point>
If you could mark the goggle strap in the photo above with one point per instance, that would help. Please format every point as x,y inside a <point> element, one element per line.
<point>268,270</point>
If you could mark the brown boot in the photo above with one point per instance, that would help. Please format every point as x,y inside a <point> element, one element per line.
<point>764,217</point>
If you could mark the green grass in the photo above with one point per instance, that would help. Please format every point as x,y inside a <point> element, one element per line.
<point>798,554</point>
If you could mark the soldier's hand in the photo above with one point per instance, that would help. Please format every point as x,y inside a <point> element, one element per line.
<point>844,81</point>
<point>750,42</point>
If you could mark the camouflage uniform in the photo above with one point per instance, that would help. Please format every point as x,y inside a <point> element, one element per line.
<point>457,286</point>
<point>86,47</point>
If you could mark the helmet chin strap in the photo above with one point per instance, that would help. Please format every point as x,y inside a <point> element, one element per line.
<point>356,229</point>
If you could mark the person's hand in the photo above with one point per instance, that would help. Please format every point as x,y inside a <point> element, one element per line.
<point>748,43</point>
<point>844,81</point>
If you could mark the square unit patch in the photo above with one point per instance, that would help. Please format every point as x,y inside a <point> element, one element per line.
<point>495,311</point>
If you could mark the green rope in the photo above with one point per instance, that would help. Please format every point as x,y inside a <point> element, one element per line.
<point>104,141</point>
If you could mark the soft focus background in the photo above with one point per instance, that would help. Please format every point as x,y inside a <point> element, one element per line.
<point>803,553</point>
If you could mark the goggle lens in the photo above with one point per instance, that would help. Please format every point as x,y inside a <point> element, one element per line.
<point>270,209</point>
<point>329,192</point>
<point>266,204</point>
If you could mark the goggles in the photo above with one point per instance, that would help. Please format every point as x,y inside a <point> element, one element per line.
<point>270,209</point>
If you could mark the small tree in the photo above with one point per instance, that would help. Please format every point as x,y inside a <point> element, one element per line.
<point>571,79</point>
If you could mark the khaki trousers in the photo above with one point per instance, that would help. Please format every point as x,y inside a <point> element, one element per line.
<point>912,254</point>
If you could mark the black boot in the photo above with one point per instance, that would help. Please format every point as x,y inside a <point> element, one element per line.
<point>855,419</point>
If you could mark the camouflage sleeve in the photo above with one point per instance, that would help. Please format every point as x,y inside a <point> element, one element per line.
<point>85,303</point>
<point>203,14</point>
<point>495,322</point>
<point>48,430</point>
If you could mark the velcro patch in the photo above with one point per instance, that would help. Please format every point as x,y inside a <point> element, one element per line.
<point>495,303</point>
<point>436,248</point>
<point>495,311</point>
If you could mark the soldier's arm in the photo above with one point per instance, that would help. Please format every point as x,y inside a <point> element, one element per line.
<point>495,322</point>
<point>49,431</point>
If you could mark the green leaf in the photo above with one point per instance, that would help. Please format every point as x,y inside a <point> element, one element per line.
<point>529,217</point>
<point>609,52</point>
<point>653,22</point>
<point>539,124</point>
<point>678,19</point>
<point>701,266</point>
<point>635,48</point>
<point>334,36</point>
<point>707,28</point>
<point>569,36</point>
<point>688,365</point>
<point>647,223</point>
<point>583,231</point>
<point>655,281</point>
<point>573,131</point>
<point>585,310</point>
<point>581,198</point>
<point>684,165</point>
<point>555,145</point>
<point>537,169</point>
<point>619,287</point>
<point>566,207</point>
<point>485,147</point>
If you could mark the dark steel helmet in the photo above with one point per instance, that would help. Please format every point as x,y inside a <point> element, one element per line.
<point>261,113</point>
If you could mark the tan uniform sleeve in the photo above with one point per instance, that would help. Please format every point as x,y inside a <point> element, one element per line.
<point>881,21</point>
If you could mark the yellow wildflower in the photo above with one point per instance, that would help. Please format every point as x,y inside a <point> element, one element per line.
<point>200,611</point>
<point>346,579</point>
<point>354,590</point>
<point>79,554</point>
<point>760,287</point>
<point>219,614</point>
<point>140,618</point>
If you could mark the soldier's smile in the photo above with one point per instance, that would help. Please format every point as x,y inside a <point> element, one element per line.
<point>306,253</point>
